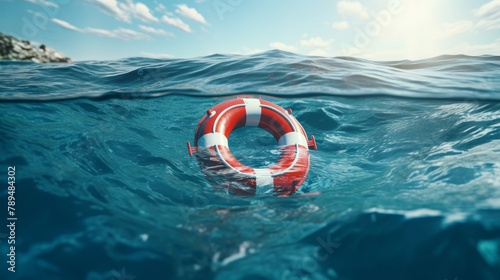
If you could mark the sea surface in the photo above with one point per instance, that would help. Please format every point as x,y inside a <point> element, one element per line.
<point>405,183</point>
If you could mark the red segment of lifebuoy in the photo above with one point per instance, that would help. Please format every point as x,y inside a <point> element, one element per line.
<point>220,166</point>
<point>293,173</point>
<point>232,119</point>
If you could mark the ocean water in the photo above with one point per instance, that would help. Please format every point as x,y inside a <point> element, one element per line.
<point>405,183</point>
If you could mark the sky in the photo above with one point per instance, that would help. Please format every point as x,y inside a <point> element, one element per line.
<point>371,29</point>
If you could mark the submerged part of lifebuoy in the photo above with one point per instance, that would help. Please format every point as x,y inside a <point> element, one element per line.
<point>222,168</point>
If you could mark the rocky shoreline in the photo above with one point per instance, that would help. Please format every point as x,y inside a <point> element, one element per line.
<point>22,50</point>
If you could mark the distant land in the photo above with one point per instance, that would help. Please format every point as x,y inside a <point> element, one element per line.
<point>12,48</point>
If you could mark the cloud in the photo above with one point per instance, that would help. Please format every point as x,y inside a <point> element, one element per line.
<point>111,7</point>
<point>119,33</point>
<point>44,3</point>
<point>283,47</point>
<point>349,51</point>
<point>456,28</point>
<point>488,9</point>
<point>176,22</point>
<point>65,24</point>
<point>125,10</point>
<point>190,13</point>
<point>315,42</point>
<point>355,9</point>
<point>488,15</point>
<point>160,8</point>
<point>156,55</point>
<point>142,12</point>
<point>340,25</point>
<point>155,31</point>
<point>321,47</point>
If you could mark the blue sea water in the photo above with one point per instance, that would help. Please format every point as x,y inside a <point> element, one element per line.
<point>405,183</point>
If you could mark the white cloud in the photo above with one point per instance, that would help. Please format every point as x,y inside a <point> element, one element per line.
<point>283,47</point>
<point>156,55</point>
<point>355,9</point>
<point>340,25</point>
<point>155,31</point>
<point>65,24</point>
<point>160,8</point>
<point>456,28</point>
<point>176,22</point>
<point>111,7</point>
<point>119,33</point>
<point>489,15</point>
<point>125,9</point>
<point>315,42</point>
<point>44,3</point>
<point>349,51</point>
<point>142,12</point>
<point>488,9</point>
<point>190,13</point>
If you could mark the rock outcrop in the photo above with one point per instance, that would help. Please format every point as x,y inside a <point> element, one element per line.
<point>15,49</point>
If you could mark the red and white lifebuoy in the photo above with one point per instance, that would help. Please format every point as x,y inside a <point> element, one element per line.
<point>219,165</point>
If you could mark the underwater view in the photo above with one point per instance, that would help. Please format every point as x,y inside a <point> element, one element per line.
<point>249,140</point>
<point>404,183</point>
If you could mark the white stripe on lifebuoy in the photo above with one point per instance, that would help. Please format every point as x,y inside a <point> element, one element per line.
<point>292,138</point>
<point>264,180</point>
<point>212,139</point>
<point>253,111</point>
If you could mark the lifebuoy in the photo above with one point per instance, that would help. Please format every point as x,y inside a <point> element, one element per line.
<point>220,166</point>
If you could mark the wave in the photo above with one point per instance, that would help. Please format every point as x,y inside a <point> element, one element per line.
<point>272,73</point>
